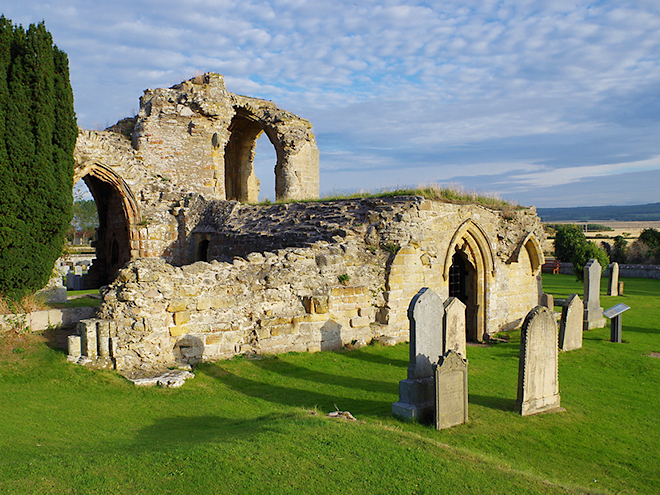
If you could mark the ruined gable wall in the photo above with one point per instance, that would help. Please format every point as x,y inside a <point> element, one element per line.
<point>287,293</point>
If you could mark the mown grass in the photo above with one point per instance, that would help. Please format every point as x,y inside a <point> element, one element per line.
<point>258,425</point>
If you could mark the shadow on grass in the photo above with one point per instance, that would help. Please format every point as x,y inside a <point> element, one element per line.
<point>187,430</point>
<point>375,358</point>
<point>290,370</point>
<point>56,338</point>
<point>296,397</point>
<point>501,403</point>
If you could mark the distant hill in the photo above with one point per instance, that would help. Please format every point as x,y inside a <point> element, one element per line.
<point>649,212</point>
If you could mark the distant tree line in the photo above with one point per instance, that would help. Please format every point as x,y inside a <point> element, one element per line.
<point>572,246</point>
<point>38,134</point>
<point>644,250</point>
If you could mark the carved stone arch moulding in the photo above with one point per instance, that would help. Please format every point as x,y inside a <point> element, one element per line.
<point>534,250</point>
<point>472,235</point>
<point>130,206</point>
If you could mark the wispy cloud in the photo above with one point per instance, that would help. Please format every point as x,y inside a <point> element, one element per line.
<point>535,93</point>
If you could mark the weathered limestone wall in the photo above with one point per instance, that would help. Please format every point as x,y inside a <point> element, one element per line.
<point>194,141</point>
<point>315,276</point>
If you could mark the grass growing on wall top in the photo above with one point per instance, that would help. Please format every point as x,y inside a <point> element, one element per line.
<point>258,425</point>
<point>452,194</point>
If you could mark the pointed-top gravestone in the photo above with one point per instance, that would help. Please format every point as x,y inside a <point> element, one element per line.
<point>593,313</point>
<point>570,327</point>
<point>451,391</point>
<point>454,326</point>
<point>538,385</point>
<point>613,282</point>
<point>416,393</point>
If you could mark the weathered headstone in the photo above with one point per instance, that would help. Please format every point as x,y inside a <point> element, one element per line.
<point>451,391</point>
<point>548,301</point>
<point>454,326</point>
<point>613,282</point>
<point>538,385</point>
<point>571,324</point>
<point>78,270</point>
<point>593,313</point>
<point>416,393</point>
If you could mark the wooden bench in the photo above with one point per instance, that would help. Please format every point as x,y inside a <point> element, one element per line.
<point>551,267</point>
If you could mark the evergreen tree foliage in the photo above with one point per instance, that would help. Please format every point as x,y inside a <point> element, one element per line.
<point>38,133</point>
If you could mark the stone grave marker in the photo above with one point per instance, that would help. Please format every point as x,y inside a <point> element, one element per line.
<point>454,326</point>
<point>571,325</point>
<point>416,393</point>
<point>451,391</point>
<point>538,385</point>
<point>613,282</point>
<point>548,300</point>
<point>593,313</point>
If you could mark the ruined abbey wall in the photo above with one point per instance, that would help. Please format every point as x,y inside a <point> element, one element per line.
<point>195,140</point>
<point>315,276</point>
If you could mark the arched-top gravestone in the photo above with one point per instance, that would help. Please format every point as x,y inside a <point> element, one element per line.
<point>416,393</point>
<point>538,385</point>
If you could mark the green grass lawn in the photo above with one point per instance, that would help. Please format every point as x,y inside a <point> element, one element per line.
<point>259,426</point>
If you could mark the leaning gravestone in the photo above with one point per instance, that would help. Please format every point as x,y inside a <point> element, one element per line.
<point>451,391</point>
<point>613,283</point>
<point>538,386</point>
<point>571,324</point>
<point>593,313</point>
<point>416,393</point>
<point>454,326</point>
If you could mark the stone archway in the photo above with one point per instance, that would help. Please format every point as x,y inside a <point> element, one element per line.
<point>241,182</point>
<point>117,234</point>
<point>469,257</point>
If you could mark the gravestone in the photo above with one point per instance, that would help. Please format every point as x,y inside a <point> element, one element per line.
<point>538,386</point>
<point>454,326</point>
<point>548,301</point>
<point>593,313</point>
<point>613,282</point>
<point>571,325</point>
<point>78,270</point>
<point>416,393</point>
<point>451,391</point>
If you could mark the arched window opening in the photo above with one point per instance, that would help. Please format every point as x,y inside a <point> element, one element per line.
<point>265,160</point>
<point>241,182</point>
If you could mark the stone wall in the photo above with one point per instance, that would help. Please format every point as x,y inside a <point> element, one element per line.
<point>194,140</point>
<point>315,276</point>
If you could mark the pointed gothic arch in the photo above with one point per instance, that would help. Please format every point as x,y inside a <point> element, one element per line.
<point>534,250</point>
<point>470,248</point>
<point>117,237</point>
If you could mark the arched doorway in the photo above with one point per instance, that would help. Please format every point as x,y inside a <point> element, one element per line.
<point>241,182</point>
<point>470,264</point>
<point>117,215</point>
<point>463,286</point>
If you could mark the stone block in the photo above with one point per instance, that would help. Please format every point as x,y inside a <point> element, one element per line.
<point>177,331</point>
<point>177,305</point>
<point>359,321</point>
<point>181,317</point>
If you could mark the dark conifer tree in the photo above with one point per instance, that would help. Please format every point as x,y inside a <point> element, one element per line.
<point>37,136</point>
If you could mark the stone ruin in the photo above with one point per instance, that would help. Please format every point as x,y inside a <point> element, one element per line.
<point>191,273</point>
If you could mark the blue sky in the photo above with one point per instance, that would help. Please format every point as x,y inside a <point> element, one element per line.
<point>546,103</point>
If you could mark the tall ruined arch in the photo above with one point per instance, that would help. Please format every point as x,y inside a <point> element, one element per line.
<point>470,250</point>
<point>241,182</point>
<point>117,237</point>
<point>534,251</point>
